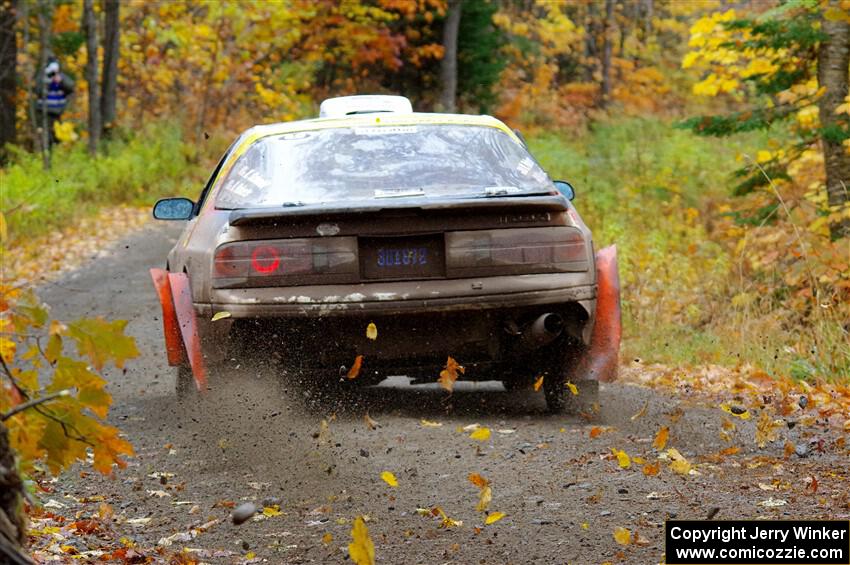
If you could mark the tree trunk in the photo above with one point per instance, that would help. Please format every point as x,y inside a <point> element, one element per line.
<point>45,31</point>
<point>590,49</point>
<point>111,53</point>
<point>833,63</point>
<point>8,74</point>
<point>647,21</point>
<point>448,66</point>
<point>12,521</point>
<point>90,31</point>
<point>606,53</point>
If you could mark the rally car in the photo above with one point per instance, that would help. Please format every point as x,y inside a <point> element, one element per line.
<point>376,241</point>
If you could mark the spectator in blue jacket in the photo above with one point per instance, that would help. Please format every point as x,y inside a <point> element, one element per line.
<point>53,96</point>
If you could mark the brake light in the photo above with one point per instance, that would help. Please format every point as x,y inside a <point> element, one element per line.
<point>278,260</point>
<point>265,260</point>
<point>521,250</point>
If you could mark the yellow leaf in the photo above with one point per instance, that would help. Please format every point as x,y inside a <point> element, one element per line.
<point>250,555</point>
<point>4,230</point>
<point>484,499</point>
<point>766,429</point>
<point>661,438</point>
<point>478,480</point>
<point>271,511</point>
<point>389,478</point>
<point>736,411</point>
<point>372,331</point>
<point>327,538</point>
<point>622,458</point>
<point>573,388</point>
<point>355,369</point>
<point>763,156</point>
<point>220,315</point>
<point>585,526</point>
<point>361,549</point>
<point>481,434</point>
<point>622,536</point>
<point>430,424</point>
<point>7,349</point>
<point>538,383</point>
<point>494,517</point>
<point>678,463</point>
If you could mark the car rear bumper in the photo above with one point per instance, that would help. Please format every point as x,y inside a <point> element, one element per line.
<point>401,297</point>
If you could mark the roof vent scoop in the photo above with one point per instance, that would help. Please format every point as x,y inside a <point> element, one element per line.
<point>364,104</point>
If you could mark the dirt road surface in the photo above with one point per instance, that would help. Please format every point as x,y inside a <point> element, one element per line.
<point>563,493</point>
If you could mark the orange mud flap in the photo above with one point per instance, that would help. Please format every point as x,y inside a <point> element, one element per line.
<point>601,360</point>
<point>180,326</point>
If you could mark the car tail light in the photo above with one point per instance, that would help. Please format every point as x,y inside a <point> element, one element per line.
<point>514,251</point>
<point>285,261</point>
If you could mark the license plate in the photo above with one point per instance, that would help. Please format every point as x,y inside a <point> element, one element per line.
<point>402,258</point>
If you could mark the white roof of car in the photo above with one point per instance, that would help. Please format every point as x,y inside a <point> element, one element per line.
<point>364,104</point>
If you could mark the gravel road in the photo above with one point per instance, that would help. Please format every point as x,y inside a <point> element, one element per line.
<point>256,439</point>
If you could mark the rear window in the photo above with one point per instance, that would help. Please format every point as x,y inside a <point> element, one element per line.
<point>381,162</point>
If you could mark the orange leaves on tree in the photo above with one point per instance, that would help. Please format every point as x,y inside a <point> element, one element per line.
<point>70,424</point>
<point>449,375</point>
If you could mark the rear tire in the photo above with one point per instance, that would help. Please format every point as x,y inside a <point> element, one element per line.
<point>562,370</point>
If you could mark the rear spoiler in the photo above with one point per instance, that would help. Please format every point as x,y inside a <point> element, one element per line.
<point>543,203</point>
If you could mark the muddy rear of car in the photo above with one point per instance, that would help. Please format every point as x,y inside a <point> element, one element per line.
<point>442,231</point>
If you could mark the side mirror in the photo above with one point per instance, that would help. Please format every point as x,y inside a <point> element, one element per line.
<point>565,188</point>
<point>173,209</point>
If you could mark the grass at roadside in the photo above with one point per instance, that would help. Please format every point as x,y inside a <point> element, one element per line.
<point>136,169</point>
<point>656,193</point>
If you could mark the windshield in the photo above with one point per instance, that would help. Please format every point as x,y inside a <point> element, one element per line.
<point>362,163</point>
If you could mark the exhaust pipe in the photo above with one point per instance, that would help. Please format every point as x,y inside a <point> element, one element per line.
<point>543,331</point>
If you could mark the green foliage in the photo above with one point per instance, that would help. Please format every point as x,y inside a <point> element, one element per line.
<point>479,59</point>
<point>148,164</point>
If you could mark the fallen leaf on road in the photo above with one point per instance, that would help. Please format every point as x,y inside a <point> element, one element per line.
<point>372,424</point>
<point>158,493</point>
<point>494,517</point>
<point>790,448</point>
<point>389,478</point>
<point>622,536</point>
<point>430,424</point>
<point>596,431</point>
<point>772,503</point>
<point>505,431</point>
<point>678,463</point>
<point>481,434</point>
<point>470,427</point>
<point>138,521</point>
<point>327,538</point>
<point>661,438</point>
<point>736,411</point>
<point>372,331</point>
<point>642,412</point>
<point>730,451</point>
<point>538,383</point>
<point>585,526</point>
<point>220,316</point>
<point>766,429</point>
<point>355,369</point>
<point>271,511</point>
<point>446,521</point>
<point>361,549</point>
<point>652,469</point>
<point>623,458</point>
<point>478,480</point>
